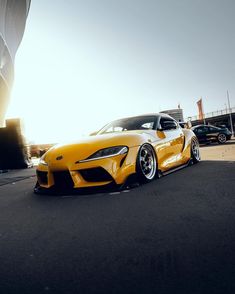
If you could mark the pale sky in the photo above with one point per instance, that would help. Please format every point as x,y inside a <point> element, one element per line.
<point>82,64</point>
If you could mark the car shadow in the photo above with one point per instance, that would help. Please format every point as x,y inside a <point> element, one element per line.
<point>130,183</point>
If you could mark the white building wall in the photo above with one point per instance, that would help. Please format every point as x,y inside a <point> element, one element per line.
<point>13,14</point>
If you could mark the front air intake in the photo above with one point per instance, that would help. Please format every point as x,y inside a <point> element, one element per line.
<point>97,174</point>
<point>63,180</point>
<point>42,177</point>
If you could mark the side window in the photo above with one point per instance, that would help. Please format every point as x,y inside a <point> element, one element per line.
<point>114,129</point>
<point>212,129</point>
<point>202,130</point>
<point>147,125</point>
<point>199,130</point>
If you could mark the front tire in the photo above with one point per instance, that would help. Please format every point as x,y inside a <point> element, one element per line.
<point>221,138</point>
<point>146,164</point>
<point>195,152</point>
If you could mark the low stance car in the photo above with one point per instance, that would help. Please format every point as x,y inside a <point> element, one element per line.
<point>146,146</point>
<point>208,134</point>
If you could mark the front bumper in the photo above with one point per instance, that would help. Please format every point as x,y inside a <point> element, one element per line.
<point>62,175</point>
<point>54,190</point>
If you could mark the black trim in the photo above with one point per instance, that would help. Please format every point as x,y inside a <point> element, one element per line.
<point>63,180</point>
<point>55,191</point>
<point>42,176</point>
<point>97,174</point>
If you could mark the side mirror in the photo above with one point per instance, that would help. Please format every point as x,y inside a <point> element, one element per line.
<point>168,125</point>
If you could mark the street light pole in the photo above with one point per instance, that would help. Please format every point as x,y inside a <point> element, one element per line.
<point>230,114</point>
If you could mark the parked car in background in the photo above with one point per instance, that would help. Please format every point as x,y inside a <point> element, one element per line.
<point>208,134</point>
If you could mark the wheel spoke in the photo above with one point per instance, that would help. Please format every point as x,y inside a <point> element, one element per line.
<point>222,138</point>
<point>195,150</point>
<point>147,162</point>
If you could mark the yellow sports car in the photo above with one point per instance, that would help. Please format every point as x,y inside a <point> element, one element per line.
<point>146,146</point>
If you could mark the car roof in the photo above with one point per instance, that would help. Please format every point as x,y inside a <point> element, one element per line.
<point>197,126</point>
<point>148,114</point>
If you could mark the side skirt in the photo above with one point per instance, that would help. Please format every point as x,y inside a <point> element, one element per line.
<point>132,181</point>
<point>165,173</point>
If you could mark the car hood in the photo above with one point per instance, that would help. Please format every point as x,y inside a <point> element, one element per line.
<point>84,148</point>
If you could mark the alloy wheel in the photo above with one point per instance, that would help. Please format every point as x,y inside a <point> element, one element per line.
<point>221,138</point>
<point>195,150</point>
<point>147,162</point>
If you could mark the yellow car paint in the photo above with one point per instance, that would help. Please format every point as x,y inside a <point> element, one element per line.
<point>172,149</point>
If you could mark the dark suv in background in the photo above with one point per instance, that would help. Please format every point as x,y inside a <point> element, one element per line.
<point>208,134</point>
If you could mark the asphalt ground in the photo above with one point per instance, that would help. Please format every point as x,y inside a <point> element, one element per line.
<point>173,235</point>
<point>215,151</point>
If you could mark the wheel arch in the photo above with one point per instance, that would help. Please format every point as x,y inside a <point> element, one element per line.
<point>152,146</point>
<point>137,166</point>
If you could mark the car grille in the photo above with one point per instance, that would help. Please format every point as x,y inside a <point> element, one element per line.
<point>97,174</point>
<point>63,180</point>
<point>42,177</point>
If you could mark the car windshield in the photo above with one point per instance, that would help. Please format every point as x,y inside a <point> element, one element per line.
<point>132,123</point>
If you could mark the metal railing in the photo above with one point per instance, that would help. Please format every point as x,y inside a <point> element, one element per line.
<point>213,114</point>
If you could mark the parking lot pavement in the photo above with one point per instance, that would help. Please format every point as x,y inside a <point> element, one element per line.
<point>12,176</point>
<point>173,235</point>
<point>216,151</point>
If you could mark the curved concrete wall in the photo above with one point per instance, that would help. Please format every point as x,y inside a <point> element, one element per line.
<point>13,14</point>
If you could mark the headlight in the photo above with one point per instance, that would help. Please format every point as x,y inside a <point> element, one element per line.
<point>107,152</point>
<point>42,161</point>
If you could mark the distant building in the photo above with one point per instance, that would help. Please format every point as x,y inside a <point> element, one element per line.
<point>177,114</point>
<point>13,14</point>
<point>37,150</point>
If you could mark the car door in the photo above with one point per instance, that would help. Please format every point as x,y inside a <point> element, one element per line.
<point>213,133</point>
<point>202,133</point>
<point>169,154</point>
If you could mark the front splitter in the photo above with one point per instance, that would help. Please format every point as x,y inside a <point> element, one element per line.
<point>75,191</point>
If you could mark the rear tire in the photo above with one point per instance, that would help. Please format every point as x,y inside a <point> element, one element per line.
<point>221,138</point>
<point>195,152</point>
<point>146,164</point>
